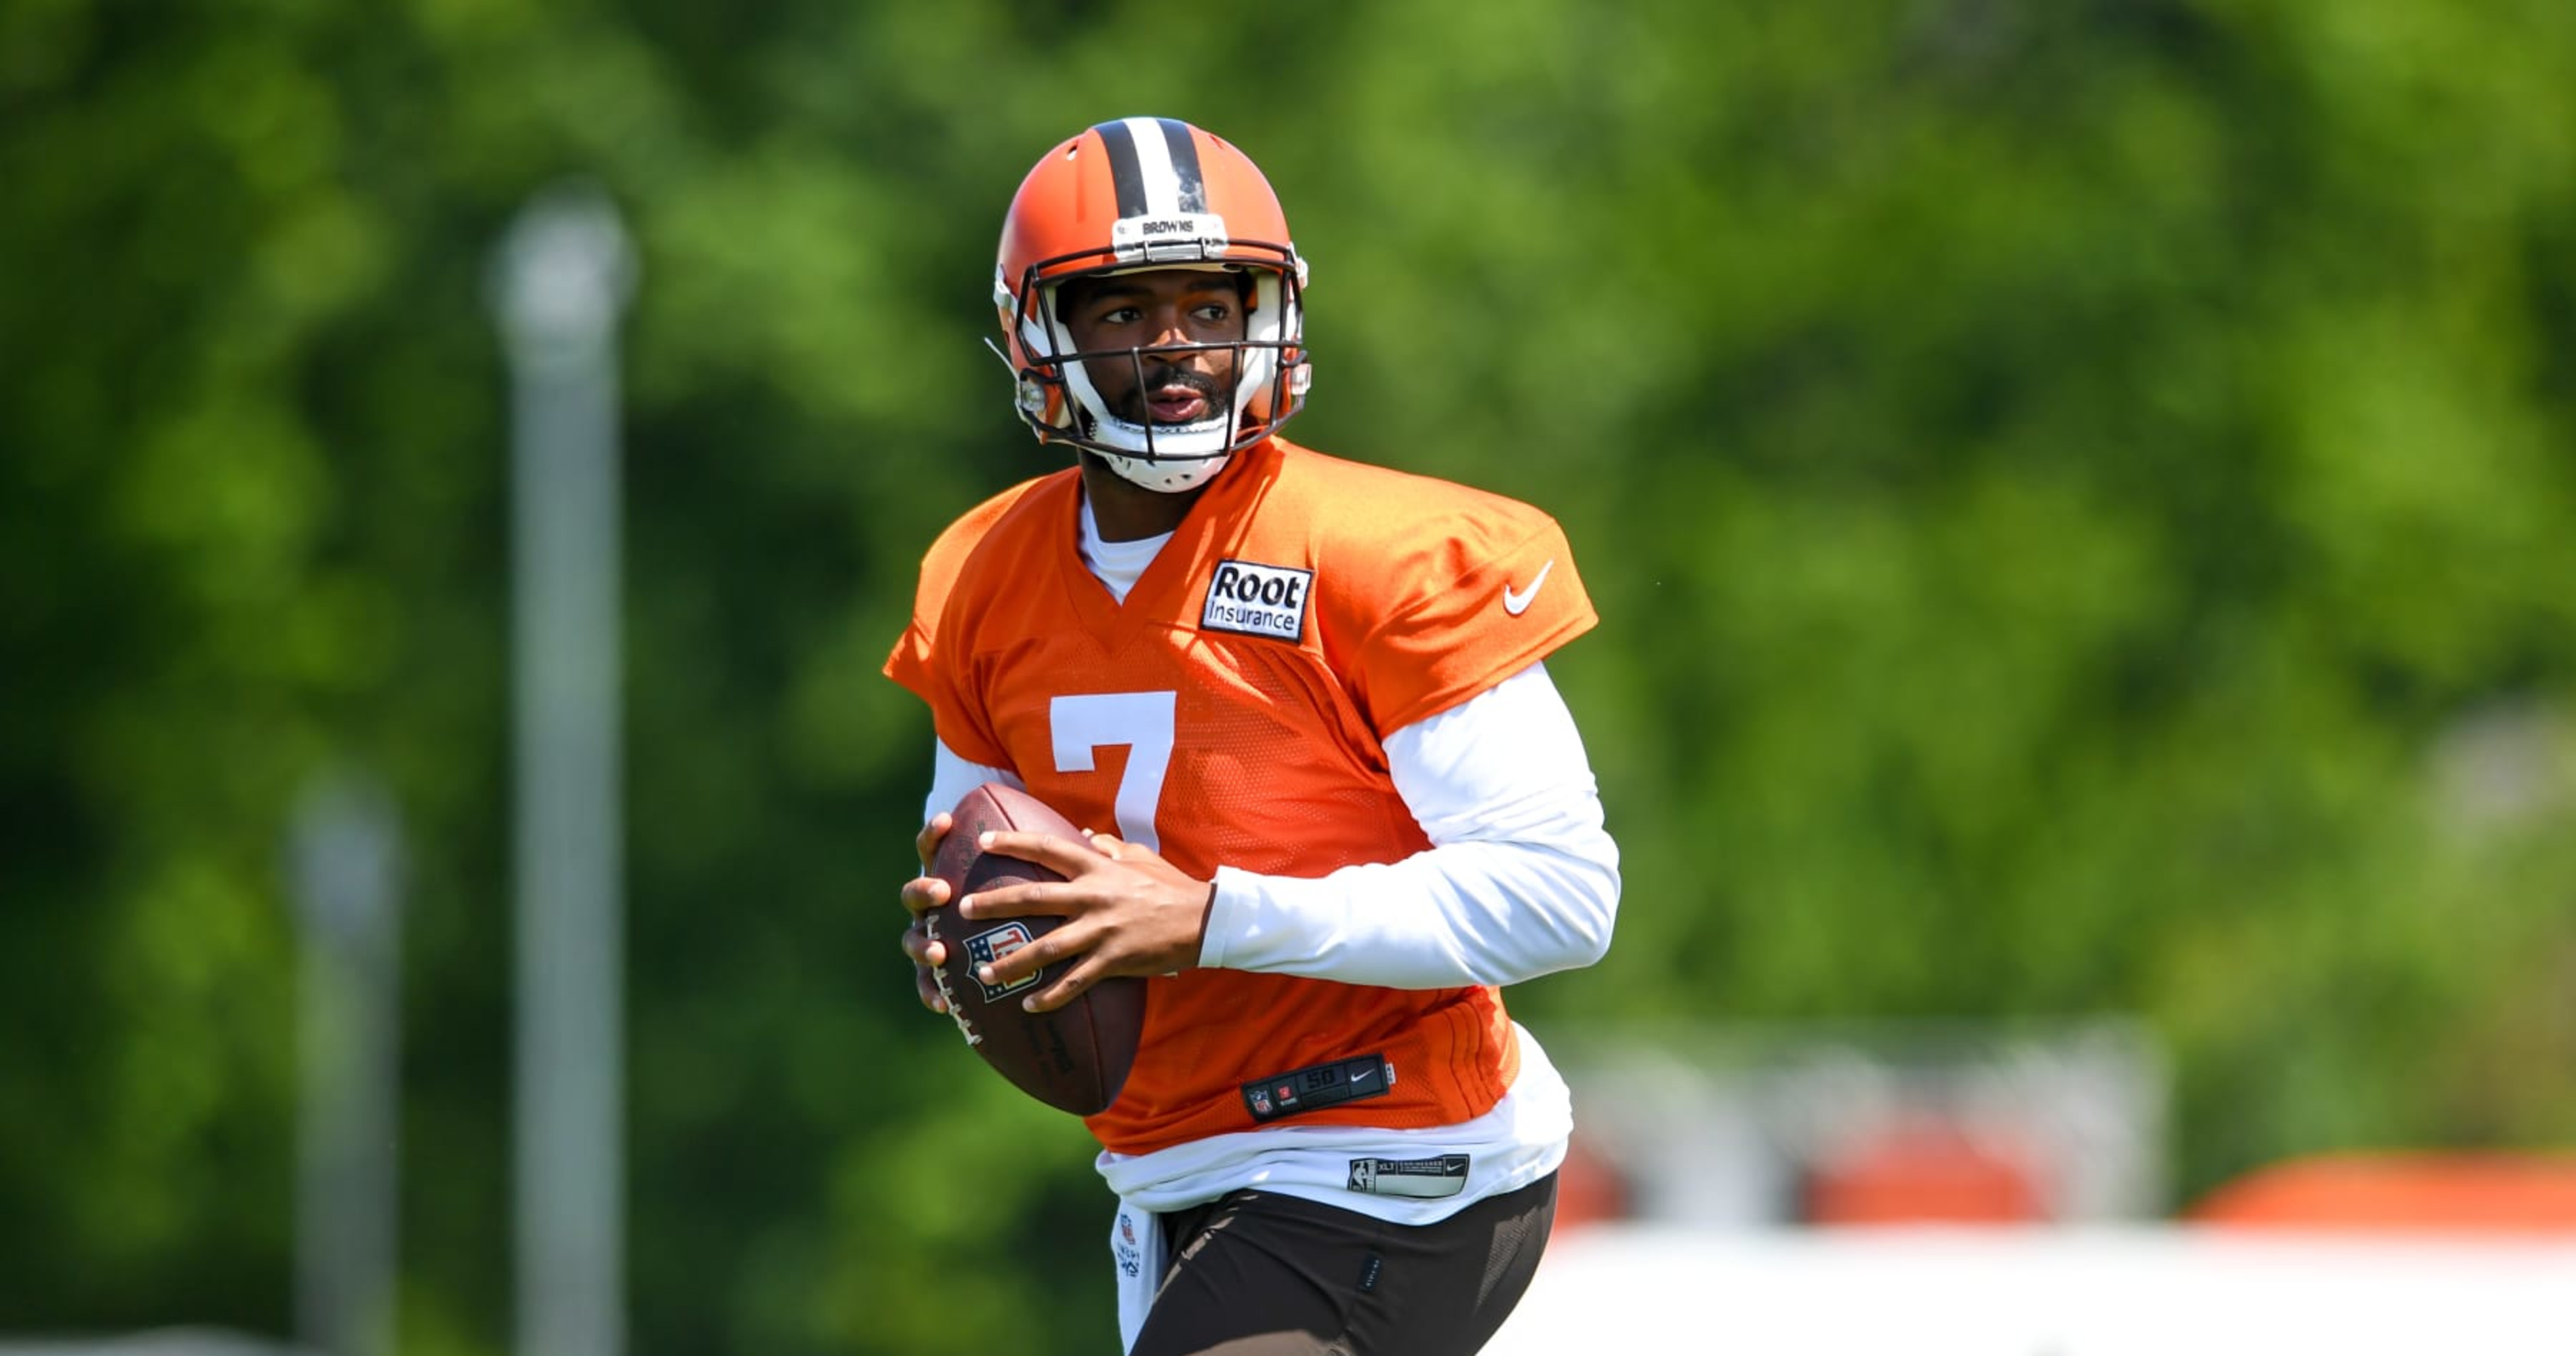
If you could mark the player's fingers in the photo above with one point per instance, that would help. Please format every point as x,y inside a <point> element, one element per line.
<point>921,894</point>
<point>1065,856</point>
<point>1067,986</point>
<point>1053,898</point>
<point>923,948</point>
<point>1064,942</point>
<point>926,843</point>
<point>925,985</point>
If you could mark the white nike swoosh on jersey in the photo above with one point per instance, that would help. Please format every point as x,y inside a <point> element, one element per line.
<point>1518,603</point>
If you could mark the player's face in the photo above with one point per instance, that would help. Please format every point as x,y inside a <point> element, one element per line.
<point>1153,311</point>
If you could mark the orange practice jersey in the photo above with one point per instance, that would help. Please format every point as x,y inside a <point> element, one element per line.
<point>1232,712</point>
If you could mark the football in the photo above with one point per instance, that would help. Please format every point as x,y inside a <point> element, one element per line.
<point>1075,1058</point>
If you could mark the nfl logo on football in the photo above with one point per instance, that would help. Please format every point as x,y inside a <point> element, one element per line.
<point>988,948</point>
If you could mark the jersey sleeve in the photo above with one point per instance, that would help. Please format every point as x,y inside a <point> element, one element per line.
<point>929,659</point>
<point>1467,599</point>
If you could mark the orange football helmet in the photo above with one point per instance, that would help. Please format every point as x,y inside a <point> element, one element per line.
<point>1149,193</point>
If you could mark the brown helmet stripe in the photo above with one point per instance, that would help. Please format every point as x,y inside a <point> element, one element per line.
<point>1187,178</point>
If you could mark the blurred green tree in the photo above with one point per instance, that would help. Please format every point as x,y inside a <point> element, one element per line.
<point>2078,495</point>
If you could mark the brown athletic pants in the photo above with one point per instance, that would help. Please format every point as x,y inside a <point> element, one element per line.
<point>1258,1274</point>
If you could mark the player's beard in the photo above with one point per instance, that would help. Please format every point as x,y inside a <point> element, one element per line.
<point>1212,392</point>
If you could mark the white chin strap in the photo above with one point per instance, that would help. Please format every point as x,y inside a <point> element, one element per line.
<point>1165,477</point>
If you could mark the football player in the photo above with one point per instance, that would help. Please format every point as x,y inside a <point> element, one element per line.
<point>1336,803</point>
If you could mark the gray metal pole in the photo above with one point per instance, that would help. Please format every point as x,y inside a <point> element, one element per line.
<point>345,860</point>
<point>564,275</point>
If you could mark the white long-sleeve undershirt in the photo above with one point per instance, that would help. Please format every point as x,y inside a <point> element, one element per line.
<point>1521,880</point>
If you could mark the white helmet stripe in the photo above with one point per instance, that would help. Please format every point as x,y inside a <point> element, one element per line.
<point>1154,165</point>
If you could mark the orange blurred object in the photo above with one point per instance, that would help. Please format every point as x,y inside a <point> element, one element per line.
<point>1925,1173</point>
<point>1588,1189</point>
<point>2397,1192</point>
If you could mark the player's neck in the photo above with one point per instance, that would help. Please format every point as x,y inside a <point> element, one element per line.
<point>1127,512</point>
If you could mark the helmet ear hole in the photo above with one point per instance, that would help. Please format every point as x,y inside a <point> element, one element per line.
<point>1037,397</point>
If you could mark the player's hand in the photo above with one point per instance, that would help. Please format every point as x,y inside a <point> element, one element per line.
<point>1126,910</point>
<point>921,894</point>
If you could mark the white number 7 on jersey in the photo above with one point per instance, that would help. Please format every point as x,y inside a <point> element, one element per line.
<point>1140,720</point>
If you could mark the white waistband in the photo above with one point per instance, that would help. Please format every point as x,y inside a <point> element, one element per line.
<point>1519,1141</point>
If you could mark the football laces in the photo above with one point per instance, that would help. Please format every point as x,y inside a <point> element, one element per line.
<point>939,976</point>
